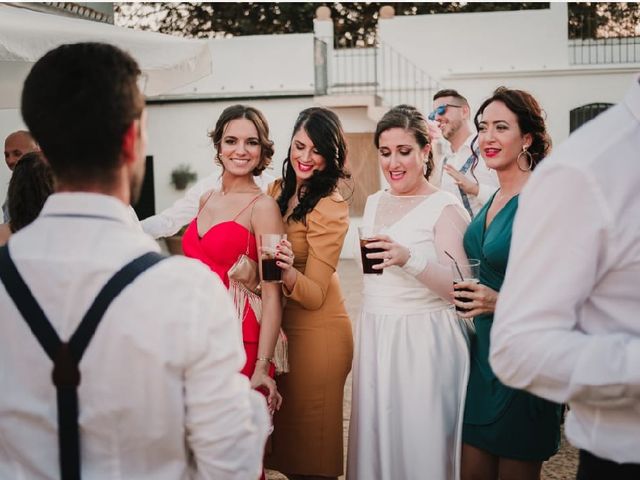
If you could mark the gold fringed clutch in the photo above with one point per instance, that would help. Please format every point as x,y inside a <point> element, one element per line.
<point>245,272</point>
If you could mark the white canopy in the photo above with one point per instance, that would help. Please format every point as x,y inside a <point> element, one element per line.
<point>168,62</point>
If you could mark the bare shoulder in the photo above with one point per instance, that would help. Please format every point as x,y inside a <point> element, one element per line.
<point>266,216</point>
<point>266,205</point>
<point>204,197</point>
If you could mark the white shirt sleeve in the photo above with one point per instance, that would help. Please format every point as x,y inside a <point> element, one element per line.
<point>448,235</point>
<point>227,422</point>
<point>559,239</point>
<point>170,220</point>
<point>441,149</point>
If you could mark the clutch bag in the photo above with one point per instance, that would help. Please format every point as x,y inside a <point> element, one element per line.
<point>245,272</point>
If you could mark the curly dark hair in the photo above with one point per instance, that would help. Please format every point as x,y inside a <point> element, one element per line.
<point>325,131</point>
<point>530,120</point>
<point>78,101</point>
<point>30,185</point>
<point>258,119</point>
<point>410,119</point>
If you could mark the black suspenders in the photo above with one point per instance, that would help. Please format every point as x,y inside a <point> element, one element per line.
<point>66,356</point>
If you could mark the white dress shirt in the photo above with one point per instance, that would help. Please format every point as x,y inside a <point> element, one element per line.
<point>161,396</point>
<point>170,220</point>
<point>487,179</point>
<point>567,325</point>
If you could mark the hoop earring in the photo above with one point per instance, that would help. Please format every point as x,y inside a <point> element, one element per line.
<point>529,157</point>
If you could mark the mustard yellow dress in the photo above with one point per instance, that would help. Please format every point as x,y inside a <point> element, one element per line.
<point>307,436</point>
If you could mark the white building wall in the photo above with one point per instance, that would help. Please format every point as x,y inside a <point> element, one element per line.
<point>257,65</point>
<point>558,92</point>
<point>529,49</point>
<point>178,134</point>
<point>441,44</point>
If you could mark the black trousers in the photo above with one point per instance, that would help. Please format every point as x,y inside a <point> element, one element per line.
<point>596,468</point>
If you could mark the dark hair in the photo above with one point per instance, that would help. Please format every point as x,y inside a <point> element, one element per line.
<point>29,187</point>
<point>78,101</point>
<point>530,120</point>
<point>257,118</point>
<point>410,119</point>
<point>325,131</point>
<point>449,92</point>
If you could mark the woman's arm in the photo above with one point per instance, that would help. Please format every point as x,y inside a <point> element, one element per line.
<point>327,225</point>
<point>266,218</point>
<point>436,275</point>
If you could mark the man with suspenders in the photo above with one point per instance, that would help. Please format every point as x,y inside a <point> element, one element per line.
<point>116,362</point>
<point>454,158</point>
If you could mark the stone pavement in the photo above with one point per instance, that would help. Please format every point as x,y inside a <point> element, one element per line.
<point>560,467</point>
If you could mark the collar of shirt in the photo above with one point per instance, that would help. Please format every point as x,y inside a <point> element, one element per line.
<point>457,159</point>
<point>86,204</point>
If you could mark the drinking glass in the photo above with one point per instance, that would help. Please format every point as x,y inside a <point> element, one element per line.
<point>469,272</point>
<point>269,270</point>
<point>366,234</point>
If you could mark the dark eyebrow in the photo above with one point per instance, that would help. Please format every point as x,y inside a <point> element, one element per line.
<point>494,122</point>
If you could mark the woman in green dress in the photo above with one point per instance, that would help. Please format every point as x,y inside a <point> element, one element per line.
<point>507,433</point>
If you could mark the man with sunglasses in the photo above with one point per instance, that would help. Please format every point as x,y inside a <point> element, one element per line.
<point>473,187</point>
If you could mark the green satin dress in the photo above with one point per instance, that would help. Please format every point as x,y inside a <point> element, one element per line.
<point>500,420</point>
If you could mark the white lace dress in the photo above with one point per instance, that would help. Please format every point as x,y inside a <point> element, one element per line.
<point>411,357</point>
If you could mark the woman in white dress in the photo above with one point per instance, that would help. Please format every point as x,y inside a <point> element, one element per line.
<point>411,357</point>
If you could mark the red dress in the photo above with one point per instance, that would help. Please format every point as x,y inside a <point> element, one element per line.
<point>219,248</point>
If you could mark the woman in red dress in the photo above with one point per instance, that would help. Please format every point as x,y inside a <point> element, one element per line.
<point>226,227</point>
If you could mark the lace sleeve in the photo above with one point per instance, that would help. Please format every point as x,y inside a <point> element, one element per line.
<point>448,233</point>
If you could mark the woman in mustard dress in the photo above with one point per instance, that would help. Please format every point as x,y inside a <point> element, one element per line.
<point>506,433</point>
<point>307,437</point>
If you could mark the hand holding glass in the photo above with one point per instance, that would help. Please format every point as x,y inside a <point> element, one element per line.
<point>269,270</point>
<point>367,233</point>
<point>465,272</point>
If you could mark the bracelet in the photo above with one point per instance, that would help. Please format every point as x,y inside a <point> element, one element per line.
<point>264,359</point>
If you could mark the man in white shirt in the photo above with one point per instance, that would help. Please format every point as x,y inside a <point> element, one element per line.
<point>567,324</point>
<point>170,220</point>
<point>472,185</point>
<point>160,393</point>
<point>15,146</point>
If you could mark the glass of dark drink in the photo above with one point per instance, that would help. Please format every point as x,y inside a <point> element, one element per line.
<point>468,272</point>
<point>367,234</point>
<point>269,270</point>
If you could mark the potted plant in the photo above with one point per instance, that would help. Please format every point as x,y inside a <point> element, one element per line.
<point>182,175</point>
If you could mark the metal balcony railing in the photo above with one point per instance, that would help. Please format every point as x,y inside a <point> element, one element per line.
<point>595,39</point>
<point>378,70</point>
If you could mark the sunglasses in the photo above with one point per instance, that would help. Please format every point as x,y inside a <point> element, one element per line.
<point>441,110</point>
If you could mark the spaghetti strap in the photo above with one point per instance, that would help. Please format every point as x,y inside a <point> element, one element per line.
<point>253,200</point>
<point>205,202</point>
